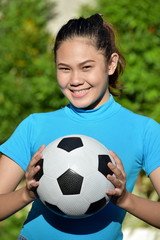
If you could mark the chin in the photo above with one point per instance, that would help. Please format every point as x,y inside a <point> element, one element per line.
<point>80,104</point>
<point>86,106</point>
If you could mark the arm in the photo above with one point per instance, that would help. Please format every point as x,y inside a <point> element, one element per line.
<point>10,176</point>
<point>144,209</point>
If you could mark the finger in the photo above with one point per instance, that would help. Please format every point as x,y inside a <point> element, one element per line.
<point>39,151</point>
<point>115,192</point>
<point>115,181</point>
<point>118,186</point>
<point>116,158</point>
<point>117,172</point>
<point>111,192</point>
<point>37,156</point>
<point>34,171</point>
<point>31,172</point>
<point>32,185</point>
<point>117,161</point>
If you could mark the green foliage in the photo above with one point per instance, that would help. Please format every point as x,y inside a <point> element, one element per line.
<point>138,26</point>
<point>10,228</point>
<point>27,75</point>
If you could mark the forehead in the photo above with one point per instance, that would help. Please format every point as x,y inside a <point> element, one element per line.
<point>77,47</point>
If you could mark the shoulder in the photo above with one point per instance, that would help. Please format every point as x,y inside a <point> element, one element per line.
<point>142,126</point>
<point>138,119</point>
<point>43,117</point>
<point>48,115</point>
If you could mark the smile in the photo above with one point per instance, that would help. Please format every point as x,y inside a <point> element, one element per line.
<point>79,93</point>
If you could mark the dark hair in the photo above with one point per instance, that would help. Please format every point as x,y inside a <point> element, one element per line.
<point>102,34</point>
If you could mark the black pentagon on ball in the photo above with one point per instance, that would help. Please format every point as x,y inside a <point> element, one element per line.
<point>70,182</point>
<point>39,174</point>
<point>103,160</point>
<point>96,206</point>
<point>70,143</point>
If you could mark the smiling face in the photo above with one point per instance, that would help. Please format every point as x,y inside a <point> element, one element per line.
<point>82,73</point>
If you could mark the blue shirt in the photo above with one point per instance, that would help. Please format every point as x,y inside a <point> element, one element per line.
<point>134,138</point>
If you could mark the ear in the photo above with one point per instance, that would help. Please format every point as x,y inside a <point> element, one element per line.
<point>113,63</point>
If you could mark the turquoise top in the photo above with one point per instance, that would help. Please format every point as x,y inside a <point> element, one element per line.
<point>134,138</point>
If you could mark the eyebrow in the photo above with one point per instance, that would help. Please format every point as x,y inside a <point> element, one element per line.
<point>82,63</point>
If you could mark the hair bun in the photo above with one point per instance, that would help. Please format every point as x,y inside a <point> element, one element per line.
<point>96,18</point>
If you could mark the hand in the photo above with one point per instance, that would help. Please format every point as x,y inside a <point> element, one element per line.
<point>32,169</point>
<point>118,180</point>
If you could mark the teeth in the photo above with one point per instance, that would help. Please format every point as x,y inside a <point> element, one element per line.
<point>80,91</point>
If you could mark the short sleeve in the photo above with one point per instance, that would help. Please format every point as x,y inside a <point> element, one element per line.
<point>151,146</point>
<point>19,146</point>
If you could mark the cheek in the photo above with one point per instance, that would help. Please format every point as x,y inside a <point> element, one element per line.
<point>61,81</point>
<point>101,79</point>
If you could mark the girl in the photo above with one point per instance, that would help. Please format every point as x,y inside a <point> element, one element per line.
<point>88,66</point>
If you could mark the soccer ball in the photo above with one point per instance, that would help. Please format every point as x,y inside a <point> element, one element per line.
<point>72,179</point>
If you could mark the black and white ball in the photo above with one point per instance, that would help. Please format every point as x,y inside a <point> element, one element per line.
<point>73,174</point>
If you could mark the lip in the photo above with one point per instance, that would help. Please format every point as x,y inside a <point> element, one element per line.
<point>78,93</point>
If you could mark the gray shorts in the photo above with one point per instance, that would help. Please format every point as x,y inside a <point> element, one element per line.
<point>21,238</point>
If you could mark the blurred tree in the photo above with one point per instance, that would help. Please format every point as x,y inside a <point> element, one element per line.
<point>27,75</point>
<point>10,228</point>
<point>138,26</point>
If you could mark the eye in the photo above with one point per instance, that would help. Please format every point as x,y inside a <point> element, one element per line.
<point>64,69</point>
<point>87,67</point>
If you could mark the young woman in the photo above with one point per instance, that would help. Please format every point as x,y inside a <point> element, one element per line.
<point>88,66</point>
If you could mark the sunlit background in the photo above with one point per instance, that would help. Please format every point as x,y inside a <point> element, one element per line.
<point>28,79</point>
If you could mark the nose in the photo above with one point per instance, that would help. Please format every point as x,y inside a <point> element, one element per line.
<point>76,79</point>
